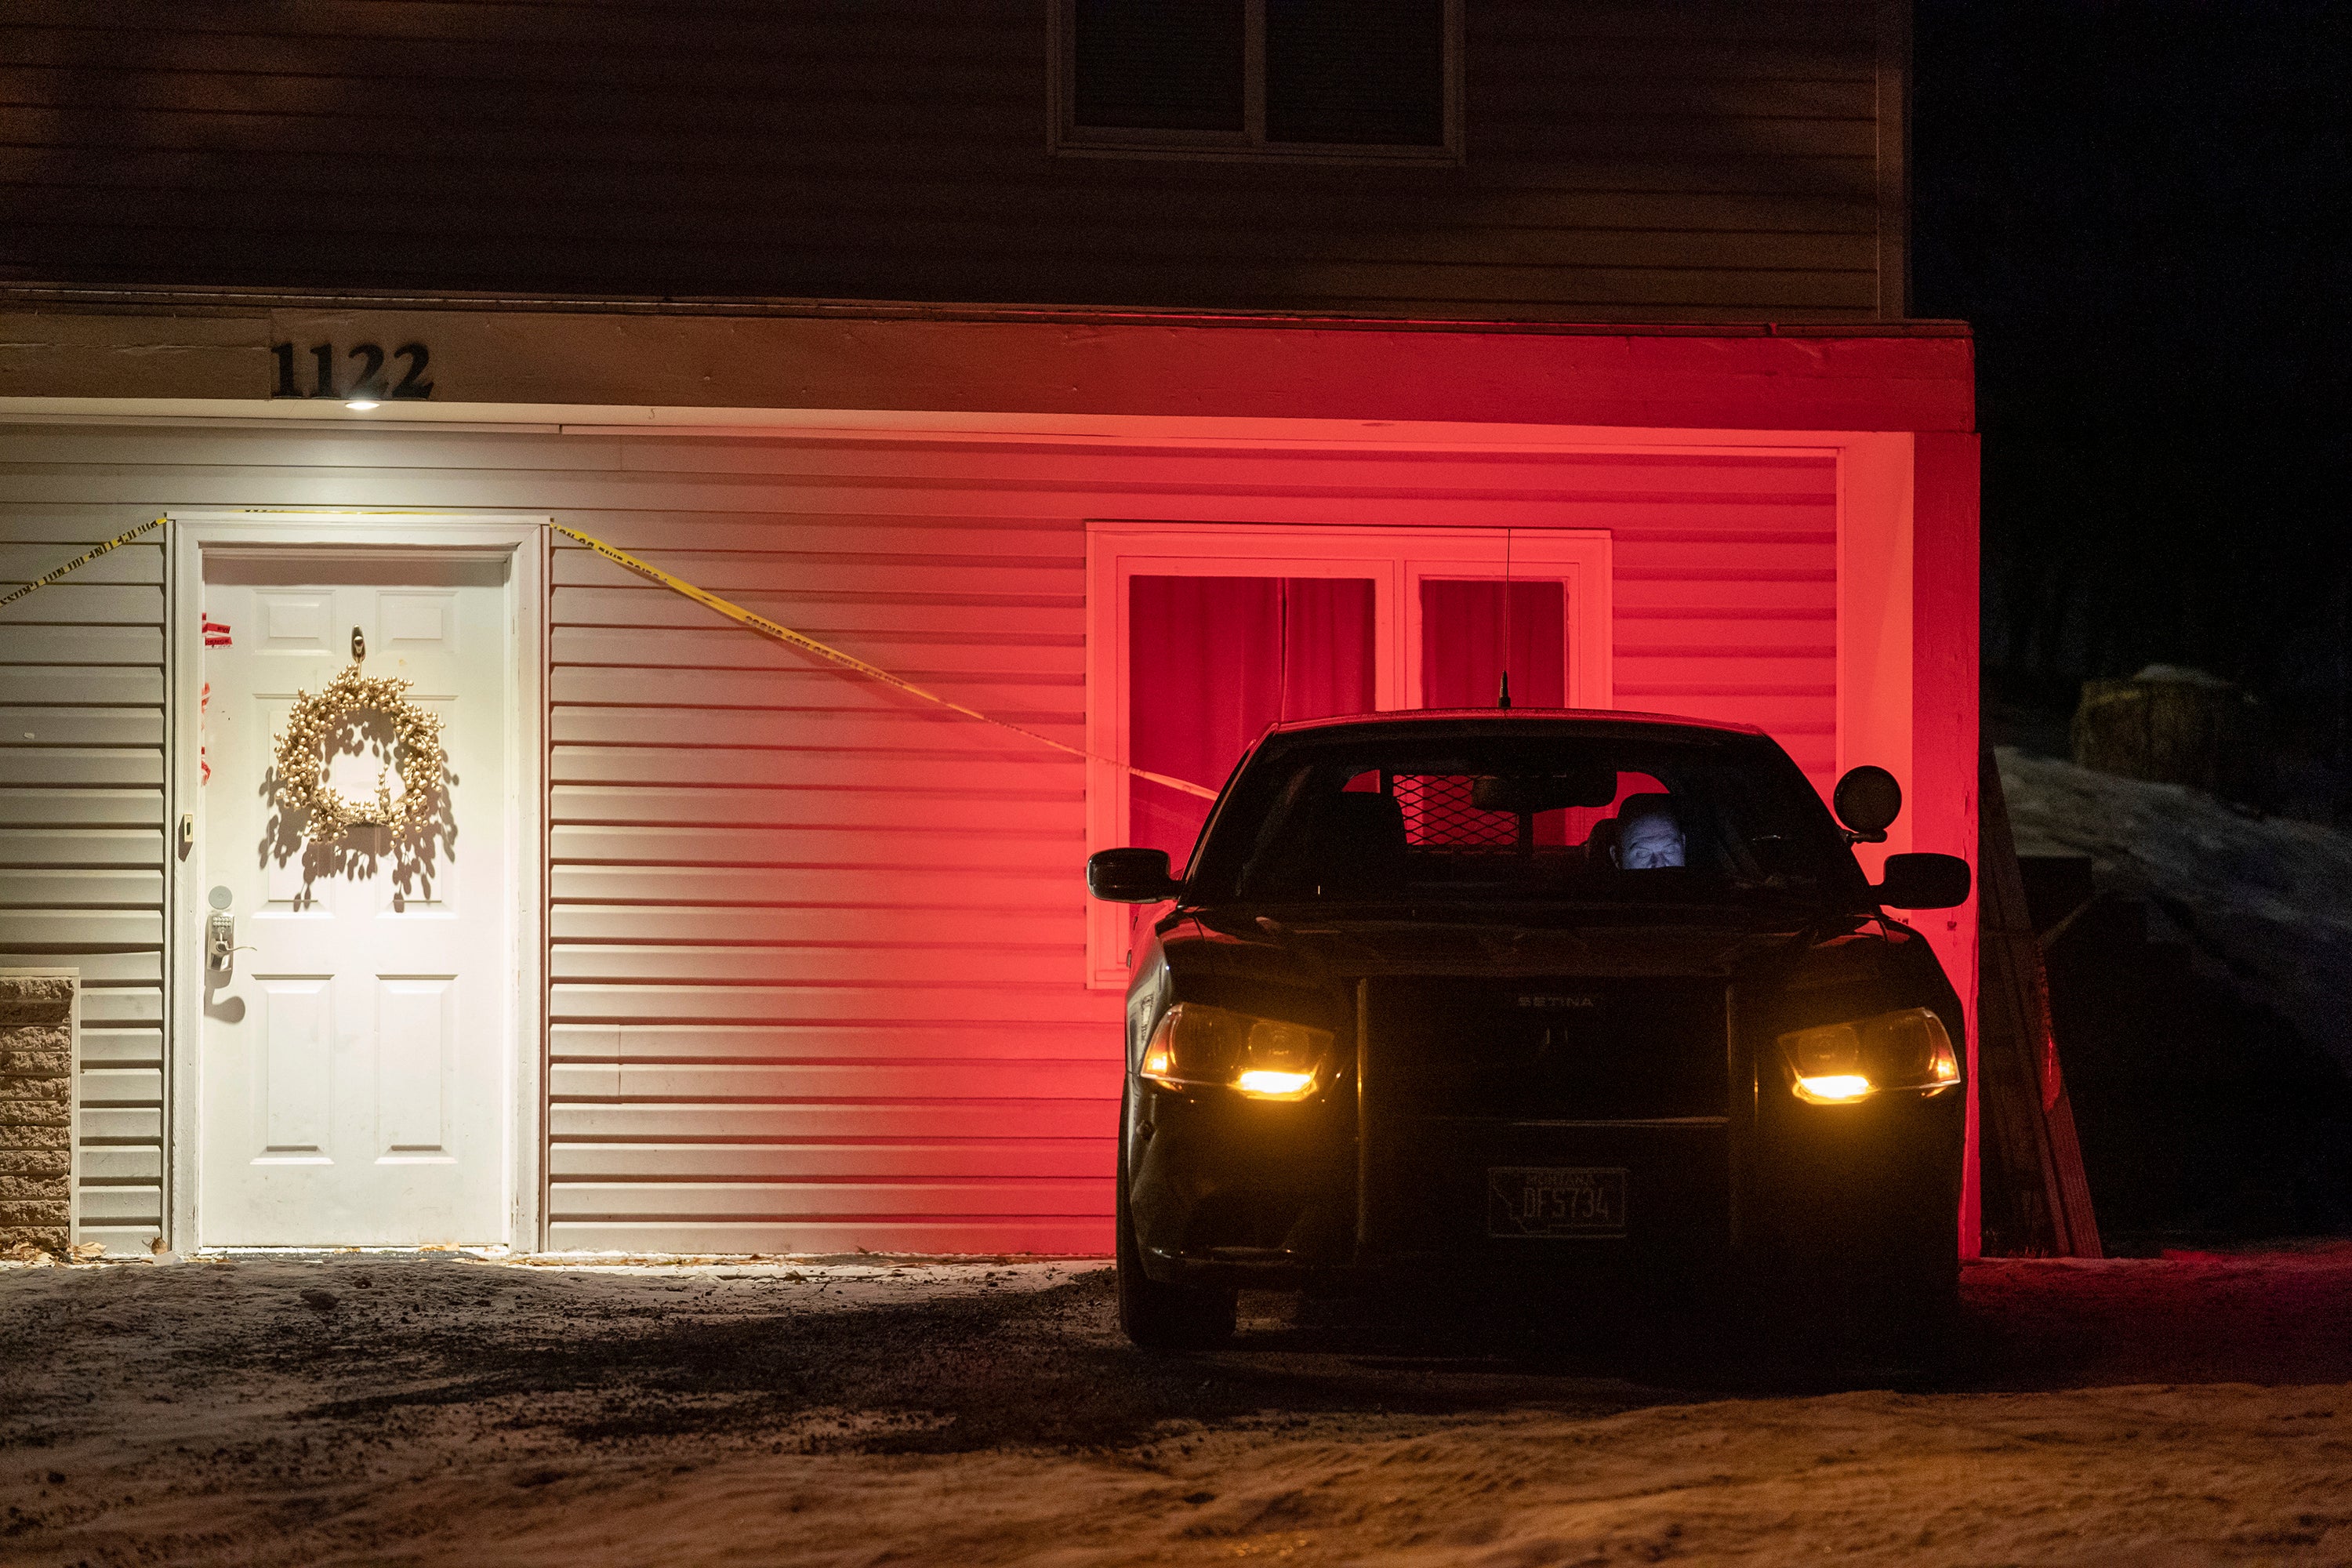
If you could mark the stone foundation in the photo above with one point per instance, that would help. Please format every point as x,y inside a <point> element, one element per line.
<point>36,1064</point>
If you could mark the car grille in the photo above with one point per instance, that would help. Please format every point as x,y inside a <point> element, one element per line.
<point>1470,1083</point>
<point>1562,1050</point>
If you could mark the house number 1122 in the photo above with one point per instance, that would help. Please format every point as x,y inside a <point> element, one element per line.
<point>369,381</point>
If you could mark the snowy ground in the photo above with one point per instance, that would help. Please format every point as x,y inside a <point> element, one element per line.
<point>448,1409</point>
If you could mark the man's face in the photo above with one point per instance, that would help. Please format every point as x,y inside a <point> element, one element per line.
<point>1650,842</point>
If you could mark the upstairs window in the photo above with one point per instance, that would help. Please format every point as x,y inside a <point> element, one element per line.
<point>1370,80</point>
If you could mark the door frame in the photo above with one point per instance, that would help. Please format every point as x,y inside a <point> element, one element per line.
<point>522,541</point>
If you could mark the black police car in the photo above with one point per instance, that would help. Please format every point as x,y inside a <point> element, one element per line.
<point>1534,995</point>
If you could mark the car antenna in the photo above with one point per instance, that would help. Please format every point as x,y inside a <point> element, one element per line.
<point>1503,697</point>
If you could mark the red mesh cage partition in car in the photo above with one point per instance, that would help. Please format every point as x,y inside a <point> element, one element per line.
<point>1438,816</point>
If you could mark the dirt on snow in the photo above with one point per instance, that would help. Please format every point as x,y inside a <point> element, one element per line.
<point>446,1408</point>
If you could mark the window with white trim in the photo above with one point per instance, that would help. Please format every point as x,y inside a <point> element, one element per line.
<point>1350,80</point>
<point>1200,636</point>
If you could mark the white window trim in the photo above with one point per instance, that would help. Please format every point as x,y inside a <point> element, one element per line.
<point>1396,559</point>
<point>1065,137</point>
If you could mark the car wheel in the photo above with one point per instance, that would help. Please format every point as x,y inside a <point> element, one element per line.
<point>1916,1300</point>
<point>1897,1316</point>
<point>1158,1317</point>
<point>1901,1316</point>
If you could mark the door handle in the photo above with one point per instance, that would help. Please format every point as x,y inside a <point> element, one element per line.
<point>220,942</point>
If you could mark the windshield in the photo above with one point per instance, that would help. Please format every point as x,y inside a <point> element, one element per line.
<point>1640,818</point>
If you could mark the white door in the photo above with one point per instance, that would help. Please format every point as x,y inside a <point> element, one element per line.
<point>356,1054</point>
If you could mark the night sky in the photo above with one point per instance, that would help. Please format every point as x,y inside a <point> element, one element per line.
<point>2133,205</point>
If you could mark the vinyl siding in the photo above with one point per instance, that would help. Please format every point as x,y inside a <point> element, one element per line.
<point>1662,160</point>
<point>81,829</point>
<point>816,949</point>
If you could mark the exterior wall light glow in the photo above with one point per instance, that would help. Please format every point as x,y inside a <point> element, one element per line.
<point>1839,1064</point>
<point>361,405</point>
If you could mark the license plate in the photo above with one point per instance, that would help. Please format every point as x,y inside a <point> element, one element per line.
<point>1525,1200</point>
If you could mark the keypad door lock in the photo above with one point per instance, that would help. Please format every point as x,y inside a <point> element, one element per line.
<point>220,942</point>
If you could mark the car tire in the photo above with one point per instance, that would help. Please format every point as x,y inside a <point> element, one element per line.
<point>1916,1297</point>
<point>1156,1316</point>
<point>1892,1315</point>
<point>1904,1316</point>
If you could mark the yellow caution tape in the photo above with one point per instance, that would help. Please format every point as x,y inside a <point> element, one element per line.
<point>806,644</point>
<point>84,559</point>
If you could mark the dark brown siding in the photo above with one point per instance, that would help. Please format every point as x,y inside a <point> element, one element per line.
<point>1677,160</point>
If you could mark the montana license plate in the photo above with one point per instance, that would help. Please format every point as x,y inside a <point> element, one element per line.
<point>1529,1200</point>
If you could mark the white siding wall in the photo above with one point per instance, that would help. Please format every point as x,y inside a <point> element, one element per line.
<point>816,949</point>
<point>81,820</point>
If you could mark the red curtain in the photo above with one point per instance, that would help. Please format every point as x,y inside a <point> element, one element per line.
<point>1462,639</point>
<point>1213,661</point>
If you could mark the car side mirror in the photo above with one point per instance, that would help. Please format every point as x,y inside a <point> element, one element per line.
<point>1923,883</point>
<point>1867,800</point>
<point>1131,875</point>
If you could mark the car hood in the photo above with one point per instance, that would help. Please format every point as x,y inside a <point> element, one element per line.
<point>1312,948</point>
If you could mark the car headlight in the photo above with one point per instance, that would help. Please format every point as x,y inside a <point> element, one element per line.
<point>1839,1064</point>
<point>1200,1046</point>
